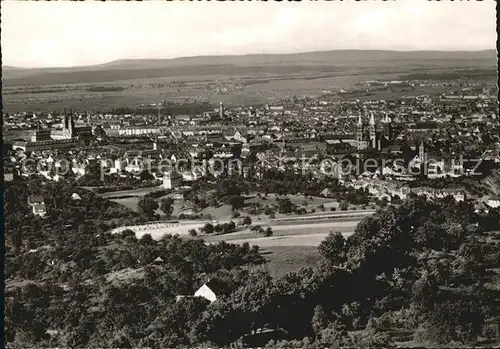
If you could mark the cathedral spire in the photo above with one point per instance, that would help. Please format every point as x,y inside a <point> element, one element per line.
<point>372,120</point>
<point>360,121</point>
<point>65,119</point>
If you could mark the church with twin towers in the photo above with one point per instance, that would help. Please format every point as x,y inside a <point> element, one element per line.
<point>372,136</point>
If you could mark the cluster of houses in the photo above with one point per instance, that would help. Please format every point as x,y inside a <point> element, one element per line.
<point>290,134</point>
<point>388,190</point>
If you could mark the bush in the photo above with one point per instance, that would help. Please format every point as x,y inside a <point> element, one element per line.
<point>192,232</point>
<point>268,232</point>
<point>208,228</point>
<point>228,227</point>
<point>256,228</point>
<point>236,214</point>
<point>247,221</point>
<point>333,209</point>
<point>236,202</point>
<point>344,206</point>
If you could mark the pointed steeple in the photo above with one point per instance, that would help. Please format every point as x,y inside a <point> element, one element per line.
<point>372,120</point>
<point>65,120</point>
<point>360,120</point>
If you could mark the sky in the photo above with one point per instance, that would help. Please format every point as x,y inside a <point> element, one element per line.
<point>63,33</point>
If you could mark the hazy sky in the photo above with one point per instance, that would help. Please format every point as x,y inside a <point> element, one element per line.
<point>63,33</point>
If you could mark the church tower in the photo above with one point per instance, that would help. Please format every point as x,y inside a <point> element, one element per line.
<point>71,125</point>
<point>65,120</point>
<point>387,130</point>
<point>372,129</point>
<point>421,152</point>
<point>221,110</point>
<point>360,132</point>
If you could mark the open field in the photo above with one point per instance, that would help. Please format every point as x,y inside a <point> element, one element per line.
<point>305,239</point>
<point>285,259</point>
<point>297,231</point>
<point>249,79</point>
<point>130,202</point>
<point>134,192</point>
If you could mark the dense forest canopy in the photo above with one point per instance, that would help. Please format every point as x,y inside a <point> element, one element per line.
<point>421,270</point>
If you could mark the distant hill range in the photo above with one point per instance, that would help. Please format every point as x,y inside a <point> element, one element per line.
<point>325,61</point>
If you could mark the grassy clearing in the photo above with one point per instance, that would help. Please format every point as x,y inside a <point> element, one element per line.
<point>222,212</point>
<point>312,240</point>
<point>285,259</point>
<point>130,203</point>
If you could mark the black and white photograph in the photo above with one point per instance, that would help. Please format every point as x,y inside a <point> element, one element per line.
<point>250,174</point>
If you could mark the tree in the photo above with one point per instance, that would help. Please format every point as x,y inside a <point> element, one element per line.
<point>166,206</point>
<point>320,320</point>
<point>384,202</point>
<point>247,221</point>
<point>147,206</point>
<point>236,201</point>
<point>146,239</point>
<point>208,228</point>
<point>285,206</point>
<point>333,248</point>
<point>192,232</point>
<point>256,228</point>
<point>344,206</point>
<point>128,233</point>
<point>268,232</point>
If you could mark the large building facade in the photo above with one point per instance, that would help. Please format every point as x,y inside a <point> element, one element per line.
<point>370,137</point>
<point>69,136</point>
<point>69,130</point>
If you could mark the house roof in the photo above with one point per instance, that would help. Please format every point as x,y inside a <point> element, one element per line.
<point>39,208</point>
<point>216,286</point>
<point>35,199</point>
<point>394,147</point>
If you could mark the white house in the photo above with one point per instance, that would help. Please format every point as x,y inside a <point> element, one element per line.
<point>38,205</point>
<point>493,201</point>
<point>172,180</point>
<point>207,293</point>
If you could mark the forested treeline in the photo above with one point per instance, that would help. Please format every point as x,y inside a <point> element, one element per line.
<point>423,271</point>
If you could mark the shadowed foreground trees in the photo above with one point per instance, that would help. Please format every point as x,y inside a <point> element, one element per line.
<point>395,276</point>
